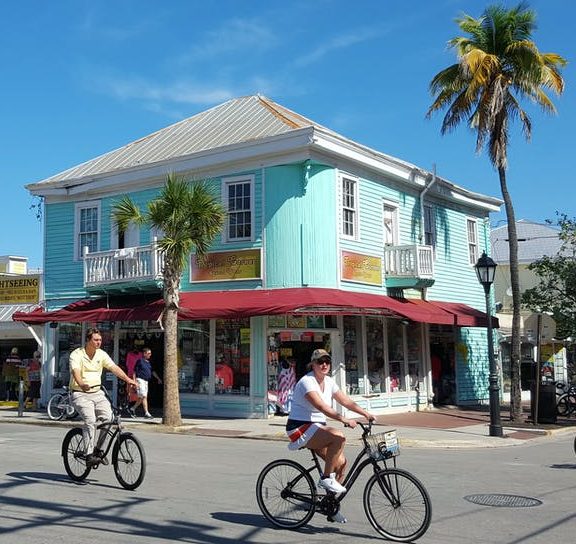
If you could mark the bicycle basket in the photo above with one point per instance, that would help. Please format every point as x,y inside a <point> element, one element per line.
<point>383,445</point>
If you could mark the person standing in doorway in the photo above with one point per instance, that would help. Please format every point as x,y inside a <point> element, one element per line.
<point>143,373</point>
<point>10,370</point>
<point>34,367</point>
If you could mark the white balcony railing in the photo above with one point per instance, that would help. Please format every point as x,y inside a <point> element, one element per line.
<point>409,261</point>
<point>122,265</point>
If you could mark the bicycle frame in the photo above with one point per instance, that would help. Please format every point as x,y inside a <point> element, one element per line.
<point>358,466</point>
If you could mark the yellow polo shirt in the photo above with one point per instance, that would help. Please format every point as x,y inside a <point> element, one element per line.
<point>90,369</point>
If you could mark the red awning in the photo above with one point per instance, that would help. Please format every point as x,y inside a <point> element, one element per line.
<point>312,300</point>
<point>248,303</point>
<point>117,308</point>
<point>466,316</point>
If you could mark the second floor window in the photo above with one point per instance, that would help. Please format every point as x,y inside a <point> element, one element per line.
<point>240,213</point>
<point>429,226</point>
<point>349,207</point>
<point>472,241</point>
<point>87,228</point>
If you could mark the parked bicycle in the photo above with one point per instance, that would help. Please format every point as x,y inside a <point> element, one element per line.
<point>395,502</point>
<point>128,457</point>
<point>566,402</point>
<point>60,405</point>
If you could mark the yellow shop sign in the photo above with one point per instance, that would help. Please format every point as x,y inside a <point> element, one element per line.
<point>226,265</point>
<point>21,289</point>
<point>361,268</point>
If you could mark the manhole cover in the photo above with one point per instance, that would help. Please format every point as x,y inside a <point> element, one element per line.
<point>500,499</point>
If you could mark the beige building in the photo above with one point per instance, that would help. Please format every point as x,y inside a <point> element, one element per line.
<point>535,240</point>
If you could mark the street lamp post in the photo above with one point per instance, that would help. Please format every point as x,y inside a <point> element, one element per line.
<point>485,270</point>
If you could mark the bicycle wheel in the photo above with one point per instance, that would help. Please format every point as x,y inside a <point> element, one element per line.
<point>575,444</point>
<point>129,461</point>
<point>286,494</point>
<point>564,405</point>
<point>397,505</point>
<point>57,406</point>
<point>73,454</point>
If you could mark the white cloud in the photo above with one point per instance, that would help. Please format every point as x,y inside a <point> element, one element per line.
<point>233,36</point>
<point>339,42</point>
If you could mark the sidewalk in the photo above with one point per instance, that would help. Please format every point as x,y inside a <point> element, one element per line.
<point>436,428</point>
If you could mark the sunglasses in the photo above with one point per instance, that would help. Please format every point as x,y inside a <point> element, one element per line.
<point>324,362</point>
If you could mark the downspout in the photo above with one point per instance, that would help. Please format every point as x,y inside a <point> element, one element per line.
<point>422,194</point>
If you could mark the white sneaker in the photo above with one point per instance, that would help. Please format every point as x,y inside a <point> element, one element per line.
<point>338,517</point>
<point>331,484</point>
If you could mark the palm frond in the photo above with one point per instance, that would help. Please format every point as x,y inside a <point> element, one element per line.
<point>126,211</point>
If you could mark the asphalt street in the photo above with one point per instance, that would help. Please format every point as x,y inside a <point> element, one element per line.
<point>201,490</point>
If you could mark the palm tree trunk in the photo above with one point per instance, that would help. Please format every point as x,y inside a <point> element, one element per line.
<point>515,385</point>
<point>171,416</point>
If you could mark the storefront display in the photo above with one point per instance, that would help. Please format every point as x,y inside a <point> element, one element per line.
<point>232,371</point>
<point>396,355</point>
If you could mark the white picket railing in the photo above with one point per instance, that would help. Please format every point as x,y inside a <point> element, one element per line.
<point>122,265</point>
<point>409,261</point>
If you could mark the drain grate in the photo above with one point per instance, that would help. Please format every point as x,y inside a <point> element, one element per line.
<point>503,500</point>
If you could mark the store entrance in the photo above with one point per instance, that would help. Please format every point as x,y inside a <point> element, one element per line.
<point>301,351</point>
<point>131,342</point>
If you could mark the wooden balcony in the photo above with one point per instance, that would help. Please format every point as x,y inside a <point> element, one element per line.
<point>128,269</point>
<point>410,266</point>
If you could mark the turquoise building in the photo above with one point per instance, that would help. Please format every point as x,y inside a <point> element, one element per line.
<point>328,243</point>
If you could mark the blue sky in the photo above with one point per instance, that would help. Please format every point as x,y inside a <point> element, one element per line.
<point>82,77</point>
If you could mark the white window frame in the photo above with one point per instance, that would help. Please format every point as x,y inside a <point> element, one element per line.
<point>79,251</point>
<point>226,184</point>
<point>394,214</point>
<point>472,240</point>
<point>348,207</point>
<point>429,225</point>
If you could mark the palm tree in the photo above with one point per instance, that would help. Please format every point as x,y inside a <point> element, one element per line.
<point>498,64</point>
<point>189,216</point>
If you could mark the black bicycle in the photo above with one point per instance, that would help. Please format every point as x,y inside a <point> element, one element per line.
<point>395,502</point>
<point>128,457</point>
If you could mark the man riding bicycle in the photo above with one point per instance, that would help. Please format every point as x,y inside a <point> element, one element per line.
<point>86,366</point>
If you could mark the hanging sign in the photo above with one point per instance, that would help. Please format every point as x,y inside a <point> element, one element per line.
<point>19,289</point>
<point>226,265</point>
<point>361,268</point>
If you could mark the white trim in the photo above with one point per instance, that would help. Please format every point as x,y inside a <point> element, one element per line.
<point>78,251</point>
<point>226,183</point>
<point>395,209</point>
<point>355,209</point>
<point>472,259</point>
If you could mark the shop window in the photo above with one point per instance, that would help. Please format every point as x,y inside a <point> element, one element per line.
<point>354,372</point>
<point>69,338</point>
<point>193,359</point>
<point>375,355</point>
<point>414,343</point>
<point>232,371</point>
<point>396,358</point>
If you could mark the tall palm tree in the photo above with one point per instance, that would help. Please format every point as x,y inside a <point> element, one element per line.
<point>190,216</point>
<point>498,64</point>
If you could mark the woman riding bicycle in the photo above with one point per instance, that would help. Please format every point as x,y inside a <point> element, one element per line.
<point>306,427</point>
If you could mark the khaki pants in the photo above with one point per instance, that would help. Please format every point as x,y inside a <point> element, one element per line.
<point>94,408</point>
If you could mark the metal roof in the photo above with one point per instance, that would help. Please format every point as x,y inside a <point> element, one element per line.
<point>239,120</point>
<point>7,310</point>
<point>535,240</point>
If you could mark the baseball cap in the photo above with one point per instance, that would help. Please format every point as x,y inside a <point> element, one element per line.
<point>319,353</point>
